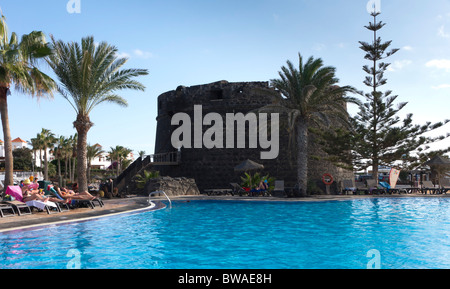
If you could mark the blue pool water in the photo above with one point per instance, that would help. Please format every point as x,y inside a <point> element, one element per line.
<point>404,233</point>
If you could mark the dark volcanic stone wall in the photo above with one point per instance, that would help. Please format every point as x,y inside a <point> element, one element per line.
<point>214,169</point>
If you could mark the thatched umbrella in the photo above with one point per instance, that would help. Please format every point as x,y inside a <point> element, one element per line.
<point>248,165</point>
<point>440,165</point>
<point>438,161</point>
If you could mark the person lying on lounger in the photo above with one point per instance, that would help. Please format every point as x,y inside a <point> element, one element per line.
<point>72,195</point>
<point>28,197</point>
<point>35,195</point>
<point>25,188</point>
<point>262,188</point>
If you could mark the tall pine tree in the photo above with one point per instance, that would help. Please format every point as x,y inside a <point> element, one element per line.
<point>382,138</point>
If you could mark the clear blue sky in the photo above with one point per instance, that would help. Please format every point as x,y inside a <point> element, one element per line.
<point>191,42</point>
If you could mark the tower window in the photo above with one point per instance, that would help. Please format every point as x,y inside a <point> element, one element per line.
<point>216,94</point>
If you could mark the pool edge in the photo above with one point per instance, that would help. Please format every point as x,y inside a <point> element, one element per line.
<point>113,212</point>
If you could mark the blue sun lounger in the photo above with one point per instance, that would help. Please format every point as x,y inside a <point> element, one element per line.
<point>388,188</point>
<point>89,203</point>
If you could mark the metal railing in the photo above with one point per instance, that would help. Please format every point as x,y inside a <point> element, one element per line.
<point>172,158</point>
<point>160,192</point>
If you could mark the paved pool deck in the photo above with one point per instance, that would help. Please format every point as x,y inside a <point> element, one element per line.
<point>138,204</point>
<point>38,219</point>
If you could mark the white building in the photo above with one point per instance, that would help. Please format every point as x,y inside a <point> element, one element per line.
<point>17,143</point>
<point>101,162</point>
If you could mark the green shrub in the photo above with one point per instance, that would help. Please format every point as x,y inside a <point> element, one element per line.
<point>142,180</point>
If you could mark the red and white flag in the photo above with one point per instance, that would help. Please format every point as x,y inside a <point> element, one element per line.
<point>393,177</point>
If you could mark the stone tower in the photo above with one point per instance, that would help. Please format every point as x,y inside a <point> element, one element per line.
<point>214,168</point>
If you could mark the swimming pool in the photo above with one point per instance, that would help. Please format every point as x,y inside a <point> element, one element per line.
<point>405,232</point>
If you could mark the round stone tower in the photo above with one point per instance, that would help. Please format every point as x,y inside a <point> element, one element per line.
<point>214,168</point>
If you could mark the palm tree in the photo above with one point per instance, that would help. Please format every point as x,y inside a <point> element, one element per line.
<point>147,176</point>
<point>310,94</point>
<point>19,68</point>
<point>59,154</point>
<point>123,158</point>
<point>141,154</point>
<point>119,154</point>
<point>93,152</point>
<point>38,145</point>
<point>34,143</point>
<point>48,141</point>
<point>90,75</point>
<point>67,150</point>
<point>113,156</point>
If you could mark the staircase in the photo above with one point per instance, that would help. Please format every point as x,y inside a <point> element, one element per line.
<point>164,159</point>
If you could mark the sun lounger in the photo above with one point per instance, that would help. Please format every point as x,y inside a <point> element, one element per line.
<point>388,188</point>
<point>6,210</point>
<point>279,188</point>
<point>219,192</point>
<point>49,207</point>
<point>349,187</point>
<point>410,189</point>
<point>445,186</point>
<point>91,203</point>
<point>361,188</point>
<point>20,207</point>
<point>237,189</point>
<point>16,192</point>
<point>373,188</point>
<point>428,186</point>
<point>62,207</point>
<point>256,192</point>
<point>78,203</point>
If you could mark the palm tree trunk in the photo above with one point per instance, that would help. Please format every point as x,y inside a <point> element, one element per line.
<point>88,173</point>
<point>74,165</point>
<point>41,161</point>
<point>66,170</point>
<point>70,170</point>
<point>82,125</point>
<point>302,158</point>
<point>59,171</point>
<point>9,161</point>
<point>34,161</point>
<point>88,170</point>
<point>375,170</point>
<point>45,164</point>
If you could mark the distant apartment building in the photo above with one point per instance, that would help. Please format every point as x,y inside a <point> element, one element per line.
<point>102,162</point>
<point>17,143</point>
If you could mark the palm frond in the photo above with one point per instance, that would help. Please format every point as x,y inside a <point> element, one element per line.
<point>92,74</point>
